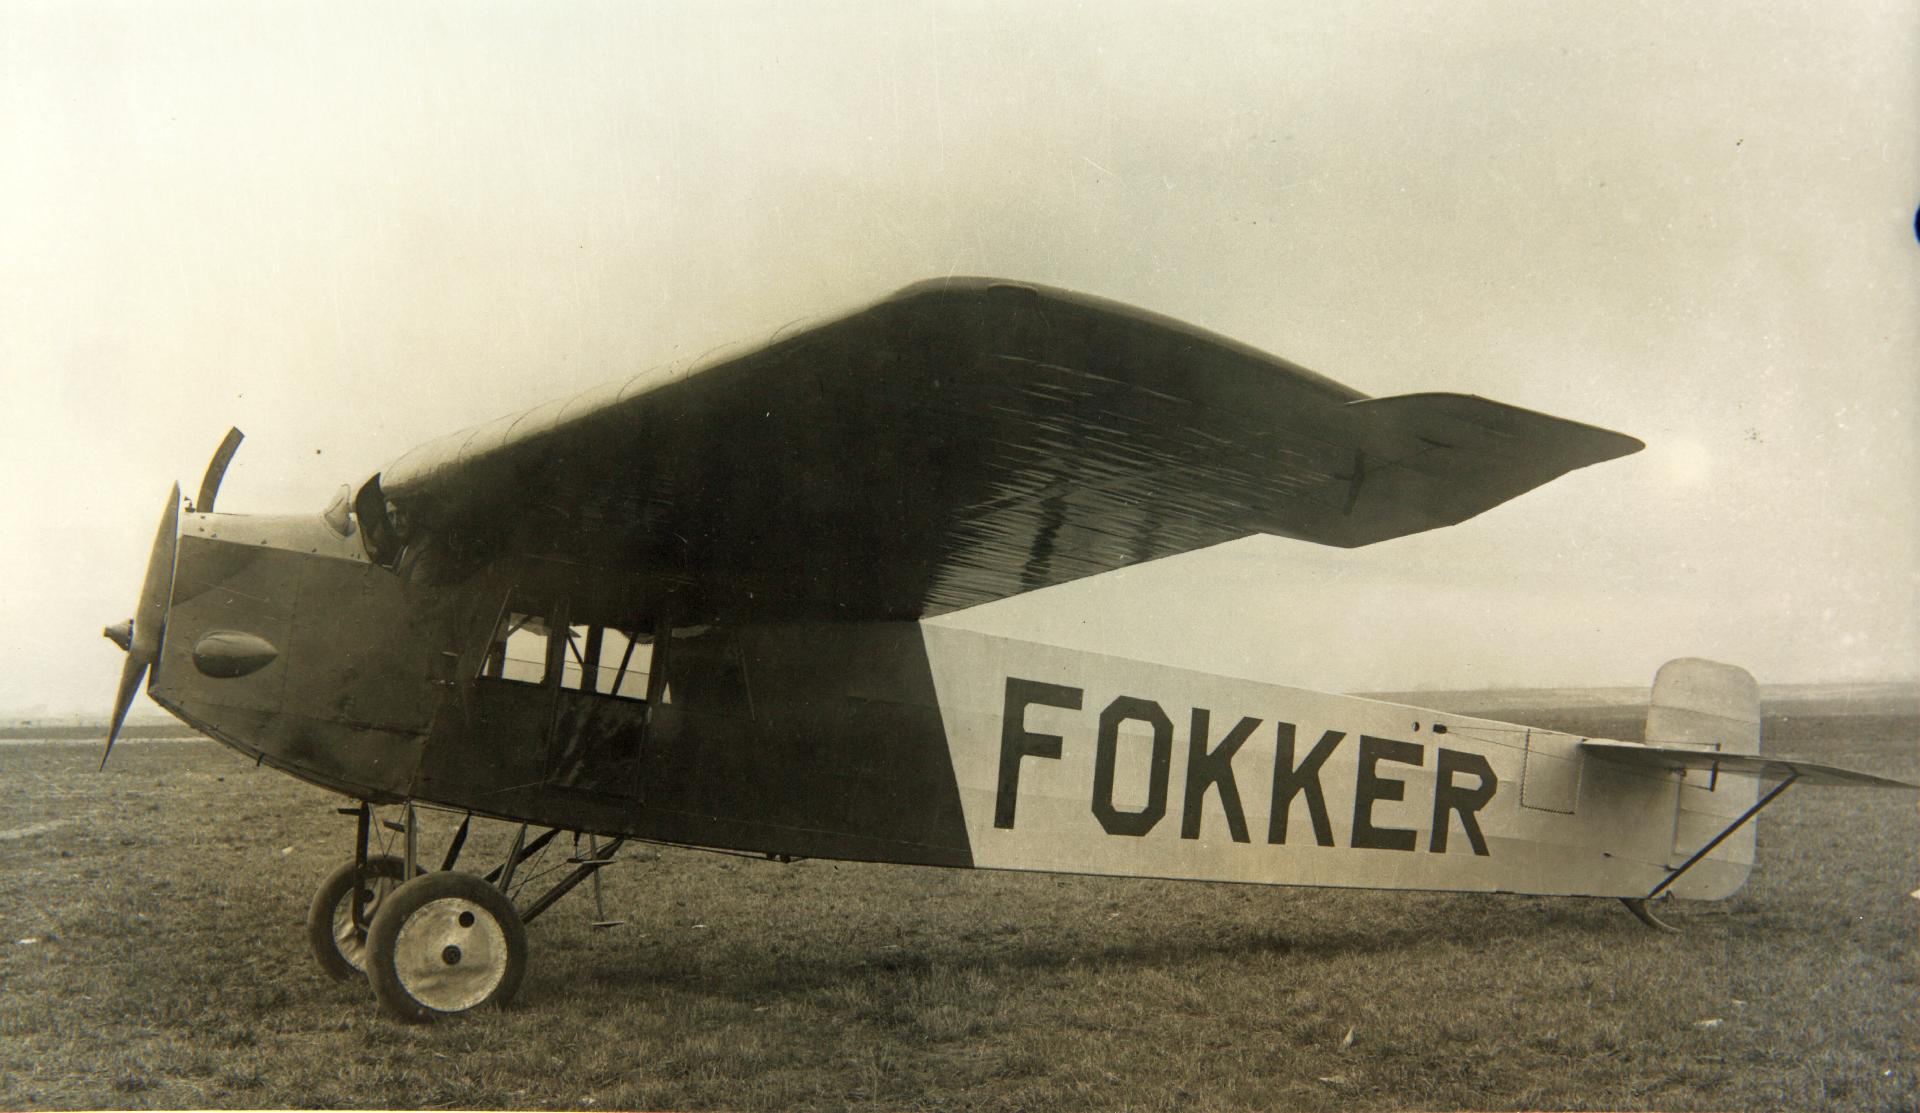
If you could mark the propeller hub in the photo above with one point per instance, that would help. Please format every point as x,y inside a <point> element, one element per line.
<point>120,634</point>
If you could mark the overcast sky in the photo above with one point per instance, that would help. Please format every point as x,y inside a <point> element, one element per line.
<point>349,229</point>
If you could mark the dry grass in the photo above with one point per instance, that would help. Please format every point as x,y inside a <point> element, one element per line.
<point>165,899</point>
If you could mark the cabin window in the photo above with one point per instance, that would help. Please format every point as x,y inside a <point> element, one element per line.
<point>519,650</point>
<point>606,661</point>
<point>586,657</point>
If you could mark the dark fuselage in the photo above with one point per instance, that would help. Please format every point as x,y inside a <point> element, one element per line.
<point>815,741</point>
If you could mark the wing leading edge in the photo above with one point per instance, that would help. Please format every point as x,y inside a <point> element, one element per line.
<point>960,442</point>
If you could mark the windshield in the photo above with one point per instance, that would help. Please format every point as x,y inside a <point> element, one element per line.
<point>339,513</point>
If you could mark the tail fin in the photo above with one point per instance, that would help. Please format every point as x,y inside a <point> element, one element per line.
<point>1713,707</point>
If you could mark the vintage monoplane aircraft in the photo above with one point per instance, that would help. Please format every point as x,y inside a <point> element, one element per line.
<point>688,608</point>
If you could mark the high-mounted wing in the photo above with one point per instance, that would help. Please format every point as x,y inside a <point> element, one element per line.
<point>959,442</point>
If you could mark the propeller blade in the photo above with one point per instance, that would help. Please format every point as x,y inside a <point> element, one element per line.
<point>149,618</point>
<point>131,674</point>
<point>217,470</point>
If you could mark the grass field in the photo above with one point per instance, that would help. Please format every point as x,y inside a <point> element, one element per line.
<point>153,956</point>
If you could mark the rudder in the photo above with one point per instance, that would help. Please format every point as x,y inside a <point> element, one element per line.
<point>1712,706</point>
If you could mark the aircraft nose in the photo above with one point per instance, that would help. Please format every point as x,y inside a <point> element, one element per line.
<point>143,631</point>
<point>141,635</point>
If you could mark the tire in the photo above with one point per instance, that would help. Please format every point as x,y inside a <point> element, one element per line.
<point>445,944</point>
<point>336,945</point>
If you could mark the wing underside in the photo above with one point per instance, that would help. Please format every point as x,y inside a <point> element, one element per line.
<point>961,442</point>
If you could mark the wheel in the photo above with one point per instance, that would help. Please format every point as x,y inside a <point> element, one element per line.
<point>338,943</point>
<point>443,944</point>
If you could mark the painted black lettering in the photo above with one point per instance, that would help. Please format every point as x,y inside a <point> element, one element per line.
<point>1016,741</point>
<point>1289,780</point>
<point>1214,769</point>
<point>1119,822</point>
<point>1449,797</point>
<point>1370,787</point>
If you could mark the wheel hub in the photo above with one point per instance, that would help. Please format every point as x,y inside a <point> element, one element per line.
<point>450,954</point>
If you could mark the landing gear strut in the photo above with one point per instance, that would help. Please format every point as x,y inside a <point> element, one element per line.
<point>441,943</point>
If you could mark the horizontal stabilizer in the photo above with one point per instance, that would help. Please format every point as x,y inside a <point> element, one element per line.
<point>1684,757</point>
